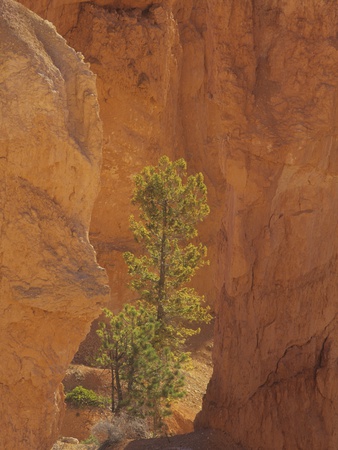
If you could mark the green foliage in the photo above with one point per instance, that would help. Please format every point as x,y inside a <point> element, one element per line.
<point>142,345</point>
<point>144,380</point>
<point>90,440</point>
<point>82,397</point>
<point>171,205</point>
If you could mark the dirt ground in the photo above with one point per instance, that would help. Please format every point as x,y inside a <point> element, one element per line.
<point>198,440</point>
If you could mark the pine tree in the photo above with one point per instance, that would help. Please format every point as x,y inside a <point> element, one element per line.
<point>142,345</point>
<point>170,206</point>
<point>144,381</point>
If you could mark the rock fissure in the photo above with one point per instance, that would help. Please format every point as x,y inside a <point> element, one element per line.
<point>269,381</point>
<point>320,357</point>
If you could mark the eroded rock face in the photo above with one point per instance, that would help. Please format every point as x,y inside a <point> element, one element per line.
<point>51,286</point>
<point>275,360</point>
<point>246,91</point>
<point>150,64</point>
<point>65,13</point>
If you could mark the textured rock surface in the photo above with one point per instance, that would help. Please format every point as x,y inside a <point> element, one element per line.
<point>275,360</point>
<point>150,64</point>
<point>128,51</point>
<point>246,91</point>
<point>51,286</point>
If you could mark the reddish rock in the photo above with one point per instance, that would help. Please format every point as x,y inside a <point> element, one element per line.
<point>278,311</point>
<point>51,286</point>
<point>246,91</point>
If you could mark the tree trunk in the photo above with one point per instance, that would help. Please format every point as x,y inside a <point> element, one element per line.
<point>118,383</point>
<point>112,389</point>
<point>161,283</point>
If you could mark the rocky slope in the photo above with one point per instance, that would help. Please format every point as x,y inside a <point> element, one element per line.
<point>247,92</point>
<point>51,286</point>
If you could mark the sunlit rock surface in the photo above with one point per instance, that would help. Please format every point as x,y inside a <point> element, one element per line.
<point>247,93</point>
<point>51,286</point>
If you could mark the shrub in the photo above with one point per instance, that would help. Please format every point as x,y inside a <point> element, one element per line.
<point>121,427</point>
<point>91,440</point>
<point>81,397</point>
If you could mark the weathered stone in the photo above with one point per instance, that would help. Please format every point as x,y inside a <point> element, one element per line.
<point>275,95</point>
<point>246,92</point>
<point>51,286</point>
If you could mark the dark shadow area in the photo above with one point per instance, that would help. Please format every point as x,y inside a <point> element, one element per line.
<point>199,440</point>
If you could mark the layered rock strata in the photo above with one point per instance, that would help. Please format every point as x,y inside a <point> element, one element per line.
<point>247,92</point>
<point>51,286</point>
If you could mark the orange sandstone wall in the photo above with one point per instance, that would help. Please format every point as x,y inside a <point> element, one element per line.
<point>51,286</point>
<point>275,361</point>
<point>150,61</point>
<point>247,92</point>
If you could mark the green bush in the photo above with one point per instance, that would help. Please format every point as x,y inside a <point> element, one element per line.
<point>90,440</point>
<point>82,397</point>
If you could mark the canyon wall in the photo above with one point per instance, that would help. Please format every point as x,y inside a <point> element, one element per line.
<point>150,66</point>
<point>246,91</point>
<point>274,384</point>
<point>51,286</point>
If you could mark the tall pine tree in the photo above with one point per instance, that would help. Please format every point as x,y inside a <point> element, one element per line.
<point>142,345</point>
<point>171,204</point>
